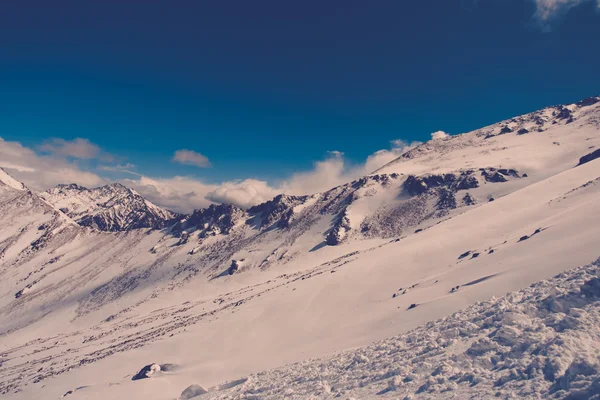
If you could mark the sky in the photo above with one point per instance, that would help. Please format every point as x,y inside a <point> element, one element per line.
<point>193,102</point>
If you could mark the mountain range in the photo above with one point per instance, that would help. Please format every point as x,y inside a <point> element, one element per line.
<point>96,284</point>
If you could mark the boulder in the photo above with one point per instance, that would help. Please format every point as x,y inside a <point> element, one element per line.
<point>146,372</point>
<point>589,157</point>
<point>192,391</point>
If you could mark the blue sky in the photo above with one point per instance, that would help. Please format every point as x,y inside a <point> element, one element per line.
<point>264,93</point>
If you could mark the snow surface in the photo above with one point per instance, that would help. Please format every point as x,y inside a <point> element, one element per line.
<point>540,342</point>
<point>9,181</point>
<point>82,311</point>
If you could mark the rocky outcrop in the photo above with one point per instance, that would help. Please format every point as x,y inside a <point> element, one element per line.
<point>590,101</point>
<point>564,113</point>
<point>277,212</point>
<point>234,267</point>
<point>468,200</point>
<point>110,208</point>
<point>498,175</point>
<point>416,185</point>
<point>589,157</point>
<point>211,221</point>
<point>339,230</point>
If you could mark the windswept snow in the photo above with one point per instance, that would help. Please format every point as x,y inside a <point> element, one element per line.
<point>540,342</point>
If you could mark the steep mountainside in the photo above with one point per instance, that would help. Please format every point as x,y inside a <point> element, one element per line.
<point>226,292</point>
<point>108,208</point>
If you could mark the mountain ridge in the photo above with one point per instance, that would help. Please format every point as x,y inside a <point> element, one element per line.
<point>458,221</point>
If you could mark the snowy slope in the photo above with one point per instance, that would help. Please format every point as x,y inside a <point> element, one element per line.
<point>8,181</point>
<point>108,208</point>
<point>226,292</point>
<point>540,342</point>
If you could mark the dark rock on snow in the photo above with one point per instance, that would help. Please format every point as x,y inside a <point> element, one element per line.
<point>192,391</point>
<point>589,157</point>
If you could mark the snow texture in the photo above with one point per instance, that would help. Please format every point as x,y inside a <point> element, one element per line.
<point>540,342</point>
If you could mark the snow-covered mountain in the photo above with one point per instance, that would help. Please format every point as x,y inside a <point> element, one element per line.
<point>108,208</point>
<point>87,299</point>
<point>8,181</point>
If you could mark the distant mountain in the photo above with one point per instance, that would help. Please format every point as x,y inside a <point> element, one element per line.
<point>109,208</point>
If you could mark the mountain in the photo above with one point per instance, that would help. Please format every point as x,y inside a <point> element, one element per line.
<point>8,181</point>
<point>225,293</point>
<point>109,208</point>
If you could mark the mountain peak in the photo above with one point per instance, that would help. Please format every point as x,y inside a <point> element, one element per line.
<point>11,182</point>
<point>112,207</point>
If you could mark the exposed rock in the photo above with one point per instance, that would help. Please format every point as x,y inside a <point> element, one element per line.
<point>415,186</point>
<point>495,177</point>
<point>213,220</point>
<point>192,391</point>
<point>146,372</point>
<point>339,230</point>
<point>446,200</point>
<point>589,157</point>
<point>522,131</point>
<point>467,182</point>
<point>418,185</point>
<point>234,267</point>
<point>108,208</point>
<point>278,211</point>
<point>504,130</point>
<point>591,288</point>
<point>509,172</point>
<point>588,102</point>
<point>468,200</point>
<point>564,113</point>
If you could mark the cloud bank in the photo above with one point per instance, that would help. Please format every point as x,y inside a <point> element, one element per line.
<point>78,148</point>
<point>39,172</point>
<point>55,162</point>
<point>183,194</point>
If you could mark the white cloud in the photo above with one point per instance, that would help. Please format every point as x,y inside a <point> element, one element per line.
<point>244,194</point>
<point>179,194</point>
<point>335,170</point>
<point>383,157</point>
<point>325,174</point>
<point>190,157</point>
<point>439,135</point>
<point>122,168</point>
<point>77,148</point>
<point>547,10</point>
<point>184,194</point>
<point>42,172</point>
